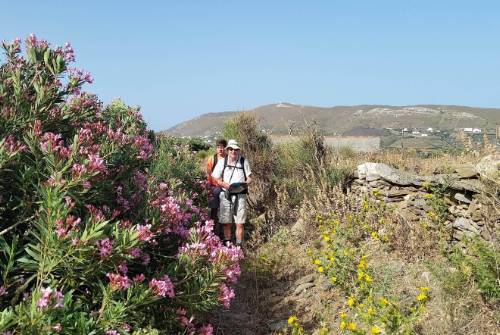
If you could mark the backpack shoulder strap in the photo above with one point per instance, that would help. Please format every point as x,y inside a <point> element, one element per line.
<point>243,167</point>
<point>214,162</point>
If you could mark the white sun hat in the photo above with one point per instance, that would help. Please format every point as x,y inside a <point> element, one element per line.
<point>232,144</point>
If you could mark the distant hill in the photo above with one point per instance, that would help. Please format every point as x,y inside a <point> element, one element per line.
<point>283,118</point>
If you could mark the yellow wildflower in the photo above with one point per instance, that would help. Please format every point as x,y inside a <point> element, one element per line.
<point>368,279</point>
<point>350,301</point>
<point>370,311</point>
<point>292,320</point>
<point>317,262</point>
<point>326,238</point>
<point>320,269</point>
<point>333,280</point>
<point>424,289</point>
<point>374,234</point>
<point>361,274</point>
<point>352,326</point>
<point>343,325</point>
<point>384,301</point>
<point>375,330</point>
<point>343,315</point>
<point>421,296</point>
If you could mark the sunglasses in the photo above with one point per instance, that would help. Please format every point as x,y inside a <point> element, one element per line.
<point>231,149</point>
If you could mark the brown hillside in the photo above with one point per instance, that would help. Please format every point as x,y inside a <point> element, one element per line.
<point>284,118</point>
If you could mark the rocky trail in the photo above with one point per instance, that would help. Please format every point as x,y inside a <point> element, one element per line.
<point>267,297</point>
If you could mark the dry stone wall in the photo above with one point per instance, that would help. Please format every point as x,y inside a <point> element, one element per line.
<point>468,210</point>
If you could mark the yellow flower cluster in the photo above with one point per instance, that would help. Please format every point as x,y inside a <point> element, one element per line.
<point>346,266</point>
<point>423,294</point>
<point>293,322</point>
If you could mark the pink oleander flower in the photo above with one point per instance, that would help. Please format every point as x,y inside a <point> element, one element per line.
<point>12,145</point>
<point>144,231</point>
<point>77,170</point>
<point>126,327</point>
<point>68,52</point>
<point>112,332</point>
<point>52,141</point>
<point>80,75</point>
<point>69,202</point>
<point>57,328</point>
<point>139,278</point>
<point>206,330</point>
<point>3,290</point>
<point>135,252</point>
<point>125,223</point>
<point>96,164</point>
<point>140,180</point>
<point>33,42</point>
<point>122,268</point>
<point>162,287</point>
<point>118,282</point>
<point>184,320</point>
<point>55,181</point>
<point>59,299</point>
<point>144,146</point>
<point>226,294</point>
<point>44,300</point>
<point>37,128</point>
<point>105,247</point>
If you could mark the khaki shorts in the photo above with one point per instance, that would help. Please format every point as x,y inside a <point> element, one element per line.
<point>238,208</point>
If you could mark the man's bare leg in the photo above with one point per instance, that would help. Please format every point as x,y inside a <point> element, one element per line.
<point>240,232</point>
<point>227,231</point>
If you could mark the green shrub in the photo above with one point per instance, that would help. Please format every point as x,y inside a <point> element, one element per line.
<point>90,242</point>
<point>481,261</point>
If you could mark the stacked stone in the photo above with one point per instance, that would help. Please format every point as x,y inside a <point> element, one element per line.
<point>468,212</point>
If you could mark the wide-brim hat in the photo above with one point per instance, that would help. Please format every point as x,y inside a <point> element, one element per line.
<point>232,144</point>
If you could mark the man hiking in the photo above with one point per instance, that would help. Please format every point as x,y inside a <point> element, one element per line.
<point>233,175</point>
<point>215,189</point>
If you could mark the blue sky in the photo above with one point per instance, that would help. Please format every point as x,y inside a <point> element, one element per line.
<point>180,59</point>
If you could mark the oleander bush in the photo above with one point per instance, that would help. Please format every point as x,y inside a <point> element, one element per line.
<point>101,232</point>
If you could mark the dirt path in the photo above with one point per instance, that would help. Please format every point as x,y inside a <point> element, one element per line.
<point>268,292</point>
<point>245,316</point>
<point>261,305</point>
